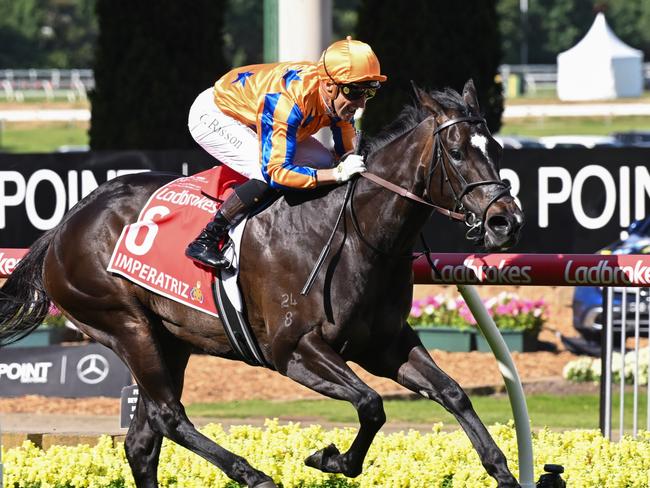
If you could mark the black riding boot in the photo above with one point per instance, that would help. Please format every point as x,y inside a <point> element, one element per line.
<point>205,248</point>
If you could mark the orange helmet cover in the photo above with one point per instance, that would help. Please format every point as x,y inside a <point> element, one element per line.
<point>349,61</point>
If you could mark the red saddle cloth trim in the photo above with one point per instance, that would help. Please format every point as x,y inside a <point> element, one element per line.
<point>151,251</point>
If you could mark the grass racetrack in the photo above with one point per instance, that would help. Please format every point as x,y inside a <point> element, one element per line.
<point>552,411</point>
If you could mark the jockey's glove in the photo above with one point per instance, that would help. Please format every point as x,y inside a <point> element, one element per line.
<point>350,166</point>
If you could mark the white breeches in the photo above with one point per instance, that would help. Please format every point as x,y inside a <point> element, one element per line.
<point>237,146</point>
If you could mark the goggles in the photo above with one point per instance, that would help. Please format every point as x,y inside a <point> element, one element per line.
<point>353,91</point>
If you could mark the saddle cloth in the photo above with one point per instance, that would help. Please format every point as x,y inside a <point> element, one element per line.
<point>151,251</point>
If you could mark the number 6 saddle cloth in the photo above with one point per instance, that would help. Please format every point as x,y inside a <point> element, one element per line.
<point>151,251</point>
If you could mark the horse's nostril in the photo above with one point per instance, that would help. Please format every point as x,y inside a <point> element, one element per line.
<point>499,224</point>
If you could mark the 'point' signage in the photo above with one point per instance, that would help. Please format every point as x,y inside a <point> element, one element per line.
<point>73,371</point>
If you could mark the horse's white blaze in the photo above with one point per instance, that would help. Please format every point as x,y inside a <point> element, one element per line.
<point>480,142</point>
<point>424,393</point>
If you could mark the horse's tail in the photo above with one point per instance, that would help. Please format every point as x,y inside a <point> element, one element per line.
<point>23,300</point>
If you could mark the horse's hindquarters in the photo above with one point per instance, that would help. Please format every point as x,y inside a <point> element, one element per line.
<point>74,269</point>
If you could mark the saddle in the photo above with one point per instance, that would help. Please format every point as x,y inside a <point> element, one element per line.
<point>151,253</point>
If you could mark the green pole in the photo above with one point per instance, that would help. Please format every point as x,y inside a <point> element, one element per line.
<point>271,39</point>
<point>511,378</point>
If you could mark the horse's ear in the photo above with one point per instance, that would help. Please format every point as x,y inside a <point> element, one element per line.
<point>425,100</point>
<point>469,96</point>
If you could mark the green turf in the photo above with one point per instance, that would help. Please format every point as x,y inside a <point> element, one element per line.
<point>549,96</point>
<point>41,137</point>
<point>47,137</point>
<point>557,412</point>
<point>552,126</point>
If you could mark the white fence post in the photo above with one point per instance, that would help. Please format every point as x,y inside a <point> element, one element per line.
<point>50,84</point>
<point>622,306</point>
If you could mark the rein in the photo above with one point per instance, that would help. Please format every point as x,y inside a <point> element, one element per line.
<point>411,196</point>
<point>441,156</point>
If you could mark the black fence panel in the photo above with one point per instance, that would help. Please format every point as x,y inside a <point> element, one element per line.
<point>575,200</point>
<point>37,189</point>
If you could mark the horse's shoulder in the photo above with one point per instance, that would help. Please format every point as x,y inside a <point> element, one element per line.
<point>297,209</point>
<point>311,214</point>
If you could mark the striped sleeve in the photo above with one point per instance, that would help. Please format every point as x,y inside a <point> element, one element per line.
<point>343,133</point>
<point>278,127</point>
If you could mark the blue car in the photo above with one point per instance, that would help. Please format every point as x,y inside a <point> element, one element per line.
<point>588,300</point>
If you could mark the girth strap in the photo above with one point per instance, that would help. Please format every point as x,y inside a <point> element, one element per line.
<point>237,329</point>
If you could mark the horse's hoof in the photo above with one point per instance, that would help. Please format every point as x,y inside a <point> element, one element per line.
<point>319,459</point>
<point>266,484</point>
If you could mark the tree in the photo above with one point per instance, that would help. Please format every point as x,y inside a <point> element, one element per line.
<point>68,33</point>
<point>344,18</point>
<point>150,65</point>
<point>512,31</point>
<point>436,44</point>
<point>47,33</point>
<point>630,19</point>
<point>20,23</point>
<point>556,25</point>
<point>244,32</point>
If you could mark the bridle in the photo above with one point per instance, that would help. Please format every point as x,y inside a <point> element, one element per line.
<point>440,157</point>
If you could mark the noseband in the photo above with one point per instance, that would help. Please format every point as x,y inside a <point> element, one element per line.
<point>440,156</point>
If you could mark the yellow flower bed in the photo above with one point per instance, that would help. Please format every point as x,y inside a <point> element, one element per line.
<point>401,460</point>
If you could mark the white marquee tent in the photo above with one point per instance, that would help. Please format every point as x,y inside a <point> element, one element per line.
<point>599,67</point>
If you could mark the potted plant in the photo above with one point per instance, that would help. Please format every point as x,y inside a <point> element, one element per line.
<point>53,330</point>
<point>447,323</point>
<point>519,321</point>
<point>442,323</point>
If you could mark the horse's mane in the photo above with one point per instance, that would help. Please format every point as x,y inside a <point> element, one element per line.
<point>409,118</point>
<point>412,115</point>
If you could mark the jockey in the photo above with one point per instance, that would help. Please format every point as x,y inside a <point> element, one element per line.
<point>259,121</point>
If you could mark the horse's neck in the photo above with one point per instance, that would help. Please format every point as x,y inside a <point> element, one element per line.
<point>398,161</point>
<point>393,221</point>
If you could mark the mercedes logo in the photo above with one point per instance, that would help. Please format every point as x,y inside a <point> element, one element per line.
<point>92,369</point>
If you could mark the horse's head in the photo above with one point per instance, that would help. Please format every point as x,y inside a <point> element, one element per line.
<point>462,173</point>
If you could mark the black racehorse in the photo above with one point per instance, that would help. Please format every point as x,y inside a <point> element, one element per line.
<point>439,149</point>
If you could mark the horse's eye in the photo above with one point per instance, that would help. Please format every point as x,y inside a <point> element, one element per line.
<point>456,154</point>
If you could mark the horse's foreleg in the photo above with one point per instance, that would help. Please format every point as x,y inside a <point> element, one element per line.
<point>407,362</point>
<point>316,365</point>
